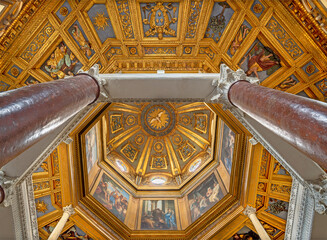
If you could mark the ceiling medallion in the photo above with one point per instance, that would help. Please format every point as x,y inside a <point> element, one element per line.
<point>63,11</point>
<point>158,119</point>
<point>101,21</point>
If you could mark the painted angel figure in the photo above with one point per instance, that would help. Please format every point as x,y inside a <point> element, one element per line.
<point>61,63</point>
<point>85,45</point>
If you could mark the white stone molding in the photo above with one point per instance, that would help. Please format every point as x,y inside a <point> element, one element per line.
<point>300,213</point>
<point>24,211</point>
<point>253,141</point>
<point>8,184</point>
<point>319,191</point>
<point>68,140</point>
<point>227,78</point>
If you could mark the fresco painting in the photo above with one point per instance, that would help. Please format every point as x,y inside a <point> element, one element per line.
<point>112,197</point>
<point>278,208</point>
<point>239,38</point>
<point>220,16</point>
<point>91,148</point>
<point>245,233</point>
<point>61,63</point>
<point>204,196</point>
<point>79,36</point>
<point>260,61</point>
<point>73,232</point>
<point>158,215</point>
<point>227,148</point>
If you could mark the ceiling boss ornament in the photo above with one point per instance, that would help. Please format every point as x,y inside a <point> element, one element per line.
<point>159,18</point>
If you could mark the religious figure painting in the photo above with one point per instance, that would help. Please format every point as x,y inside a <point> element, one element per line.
<point>260,61</point>
<point>245,233</point>
<point>158,215</point>
<point>112,196</point>
<point>61,63</point>
<point>239,38</point>
<point>227,148</point>
<point>79,36</point>
<point>91,148</point>
<point>204,196</point>
<point>73,232</point>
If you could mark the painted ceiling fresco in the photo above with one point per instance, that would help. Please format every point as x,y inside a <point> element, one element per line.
<point>160,140</point>
<point>272,40</point>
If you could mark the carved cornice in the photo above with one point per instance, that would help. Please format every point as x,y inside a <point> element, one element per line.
<point>300,213</point>
<point>18,25</point>
<point>308,22</point>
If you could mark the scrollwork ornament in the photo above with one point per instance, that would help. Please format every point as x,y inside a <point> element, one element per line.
<point>319,191</point>
<point>7,185</point>
<point>227,78</point>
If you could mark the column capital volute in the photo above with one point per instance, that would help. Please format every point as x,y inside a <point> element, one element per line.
<point>319,191</point>
<point>227,78</point>
<point>69,209</point>
<point>249,210</point>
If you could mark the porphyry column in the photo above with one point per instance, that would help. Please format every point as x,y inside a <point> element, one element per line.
<point>300,121</point>
<point>29,113</point>
<point>250,212</point>
<point>68,211</point>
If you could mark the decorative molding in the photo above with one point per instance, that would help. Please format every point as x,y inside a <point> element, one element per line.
<point>319,192</point>
<point>300,213</point>
<point>308,22</point>
<point>68,140</point>
<point>24,211</point>
<point>253,141</point>
<point>227,78</point>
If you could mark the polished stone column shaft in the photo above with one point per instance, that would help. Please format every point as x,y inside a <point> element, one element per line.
<point>68,211</point>
<point>29,113</point>
<point>300,121</point>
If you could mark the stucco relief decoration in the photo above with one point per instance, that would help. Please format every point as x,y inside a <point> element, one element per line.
<point>38,42</point>
<point>159,18</point>
<point>284,38</point>
<point>319,191</point>
<point>125,17</point>
<point>193,19</point>
<point>9,16</point>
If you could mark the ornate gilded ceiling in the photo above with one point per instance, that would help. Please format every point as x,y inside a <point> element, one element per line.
<point>277,41</point>
<point>169,141</point>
